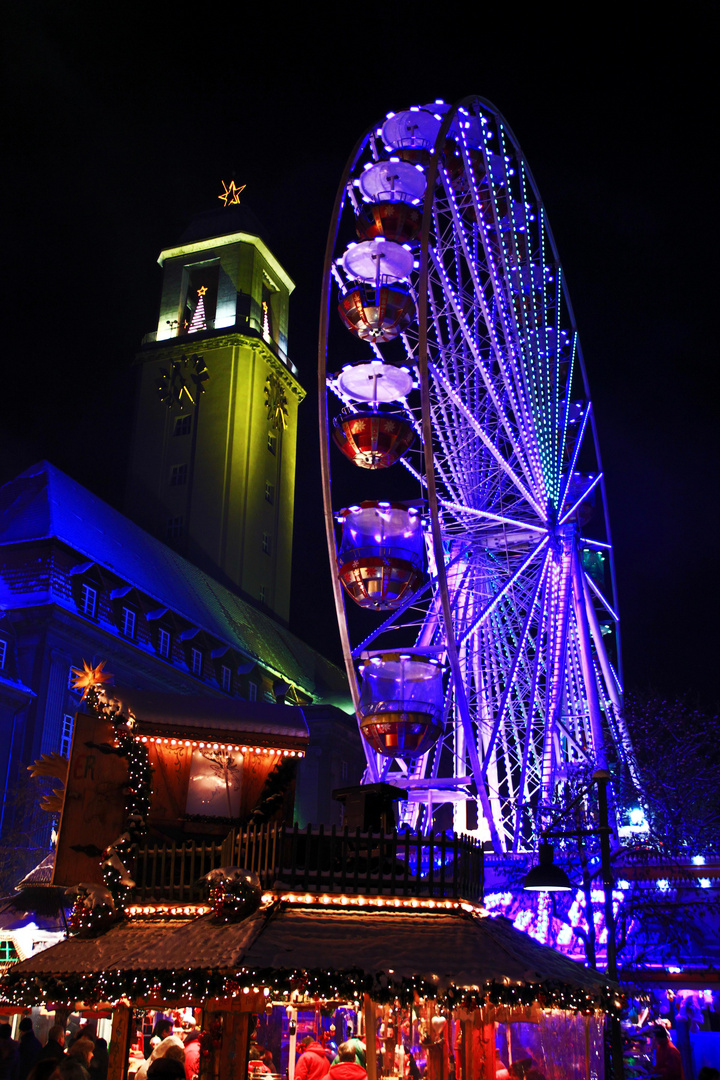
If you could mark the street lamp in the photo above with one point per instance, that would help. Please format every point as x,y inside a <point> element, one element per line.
<point>546,877</point>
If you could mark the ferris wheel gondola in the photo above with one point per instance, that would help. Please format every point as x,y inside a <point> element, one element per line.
<point>466,376</point>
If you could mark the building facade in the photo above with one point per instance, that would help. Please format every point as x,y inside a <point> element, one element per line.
<point>213,461</point>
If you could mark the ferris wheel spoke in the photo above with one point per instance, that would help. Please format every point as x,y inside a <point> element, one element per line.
<point>484,438</point>
<point>519,655</point>
<point>500,596</point>
<point>477,360</point>
<point>575,452</point>
<point>479,298</point>
<point>589,487</point>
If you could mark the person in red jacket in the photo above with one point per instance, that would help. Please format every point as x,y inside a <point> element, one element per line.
<point>312,1063</point>
<point>346,1066</point>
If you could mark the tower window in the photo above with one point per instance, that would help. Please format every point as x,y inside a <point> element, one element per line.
<point>66,734</point>
<point>183,425</point>
<point>178,475</point>
<point>269,493</point>
<point>267,543</point>
<point>3,653</point>
<point>88,600</point>
<point>174,528</point>
<point>128,622</point>
<point>272,442</point>
<point>226,678</point>
<point>196,662</point>
<point>163,642</point>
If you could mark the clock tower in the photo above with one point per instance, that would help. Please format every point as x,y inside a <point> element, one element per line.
<point>212,469</point>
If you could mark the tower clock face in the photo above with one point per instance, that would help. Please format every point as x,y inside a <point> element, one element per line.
<point>183,382</point>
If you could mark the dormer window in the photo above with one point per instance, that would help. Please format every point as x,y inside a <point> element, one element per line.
<point>88,600</point>
<point>226,678</point>
<point>164,643</point>
<point>127,622</point>
<point>196,662</point>
<point>3,653</point>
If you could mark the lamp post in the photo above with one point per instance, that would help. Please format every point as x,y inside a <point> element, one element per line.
<point>546,877</point>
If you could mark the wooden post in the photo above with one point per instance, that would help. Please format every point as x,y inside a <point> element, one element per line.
<point>467,1049</point>
<point>370,1037</point>
<point>235,1045</point>
<point>120,1039</point>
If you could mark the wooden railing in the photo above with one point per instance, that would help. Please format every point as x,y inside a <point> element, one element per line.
<point>174,871</point>
<point>317,860</point>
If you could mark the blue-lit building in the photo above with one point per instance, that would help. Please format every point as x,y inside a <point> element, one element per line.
<point>190,593</point>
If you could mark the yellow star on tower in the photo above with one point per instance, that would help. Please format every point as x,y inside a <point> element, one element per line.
<point>87,677</point>
<point>231,193</point>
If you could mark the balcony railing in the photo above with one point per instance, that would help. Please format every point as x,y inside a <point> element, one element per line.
<point>317,860</point>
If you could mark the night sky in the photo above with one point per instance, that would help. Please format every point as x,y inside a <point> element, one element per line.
<point>116,133</point>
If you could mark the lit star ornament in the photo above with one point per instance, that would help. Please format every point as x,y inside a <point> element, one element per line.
<point>87,677</point>
<point>231,193</point>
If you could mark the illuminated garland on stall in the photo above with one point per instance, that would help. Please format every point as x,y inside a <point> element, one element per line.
<point>315,984</point>
<point>96,908</point>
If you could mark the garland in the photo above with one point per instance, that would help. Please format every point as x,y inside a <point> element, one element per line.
<point>97,908</point>
<point>316,984</point>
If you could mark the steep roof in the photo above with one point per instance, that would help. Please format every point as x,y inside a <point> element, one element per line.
<point>44,503</point>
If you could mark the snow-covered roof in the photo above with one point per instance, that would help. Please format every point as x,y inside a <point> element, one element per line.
<point>455,948</point>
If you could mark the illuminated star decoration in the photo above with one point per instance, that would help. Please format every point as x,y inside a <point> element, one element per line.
<point>231,193</point>
<point>203,288</point>
<point>87,677</point>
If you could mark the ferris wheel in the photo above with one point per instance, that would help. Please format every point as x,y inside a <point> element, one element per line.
<point>471,558</point>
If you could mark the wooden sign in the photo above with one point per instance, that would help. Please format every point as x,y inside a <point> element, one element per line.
<point>93,814</point>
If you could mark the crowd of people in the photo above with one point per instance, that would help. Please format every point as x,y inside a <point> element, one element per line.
<point>84,1057</point>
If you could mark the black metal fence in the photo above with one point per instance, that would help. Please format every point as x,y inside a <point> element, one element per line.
<point>317,860</point>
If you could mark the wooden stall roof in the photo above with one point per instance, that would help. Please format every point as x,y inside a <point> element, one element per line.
<point>194,716</point>
<point>447,948</point>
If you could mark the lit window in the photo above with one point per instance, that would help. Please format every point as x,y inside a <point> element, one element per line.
<point>163,642</point>
<point>226,678</point>
<point>252,691</point>
<point>71,679</point>
<point>196,661</point>
<point>272,442</point>
<point>128,622</point>
<point>88,600</point>
<point>269,493</point>
<point>8,952</point>
<point>178,475</point>
<point>267,543</point>
<point>174,528</point>
<point>66,734</point>
<point>183,425</point>
<point>3,653</point>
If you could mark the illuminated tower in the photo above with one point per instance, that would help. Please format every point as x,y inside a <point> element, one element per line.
<point>212,468</point>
